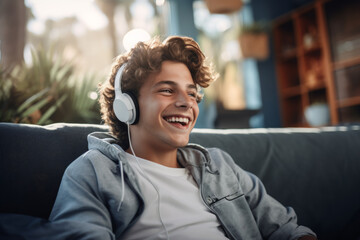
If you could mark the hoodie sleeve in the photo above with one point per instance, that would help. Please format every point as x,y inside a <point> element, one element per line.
<point>274,220</point>
<point>79,199</point>
<point>15,226</point>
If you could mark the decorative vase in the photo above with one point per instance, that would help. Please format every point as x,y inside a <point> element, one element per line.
<point>317,114</point>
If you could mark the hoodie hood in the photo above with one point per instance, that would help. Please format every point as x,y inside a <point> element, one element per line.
<point>107,145</point>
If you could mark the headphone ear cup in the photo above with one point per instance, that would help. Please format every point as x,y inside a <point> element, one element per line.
<point>136,108</point>
<point>123,108</point>
<point>126,108</point>
<point>125,105</point>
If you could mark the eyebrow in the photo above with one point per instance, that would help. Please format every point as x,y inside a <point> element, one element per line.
<point>172,83</point>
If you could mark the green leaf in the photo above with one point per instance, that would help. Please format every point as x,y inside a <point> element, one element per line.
<point>35,107</point>
<point>55,68</point>
<point>51,110</point>
<point>63,72</point>
<point>32,99</point>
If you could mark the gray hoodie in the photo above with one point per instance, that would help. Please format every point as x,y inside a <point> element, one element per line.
<point>100,189</point>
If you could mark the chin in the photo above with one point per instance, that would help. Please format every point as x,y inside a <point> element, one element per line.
<point>183,143</point>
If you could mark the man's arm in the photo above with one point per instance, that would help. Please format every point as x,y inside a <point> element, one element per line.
<point>15,226</point>
<point>79,199</point>
<point>274,220</point>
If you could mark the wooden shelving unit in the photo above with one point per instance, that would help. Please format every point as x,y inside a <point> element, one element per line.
<point>344,37</point>
<point>312,64</point>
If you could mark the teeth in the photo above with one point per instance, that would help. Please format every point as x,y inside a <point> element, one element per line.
<point>178,119</point>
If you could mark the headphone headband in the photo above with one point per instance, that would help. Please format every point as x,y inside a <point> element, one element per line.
<point>117,83</point>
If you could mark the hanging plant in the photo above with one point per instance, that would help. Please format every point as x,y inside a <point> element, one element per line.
<point>224,6</point>
<point>254,41</point>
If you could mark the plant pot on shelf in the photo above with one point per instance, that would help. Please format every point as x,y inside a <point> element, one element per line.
<point>223,6</point>
<point>254,45</point>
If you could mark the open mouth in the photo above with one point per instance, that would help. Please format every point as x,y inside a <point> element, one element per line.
<point>178,121</point>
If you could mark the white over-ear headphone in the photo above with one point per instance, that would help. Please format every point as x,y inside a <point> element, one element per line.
<point>125,104</point>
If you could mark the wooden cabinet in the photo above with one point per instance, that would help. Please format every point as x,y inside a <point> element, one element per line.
<point>308,68</point>
<point>343,18</point>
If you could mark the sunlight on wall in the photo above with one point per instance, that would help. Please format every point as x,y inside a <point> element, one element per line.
<point>85,10</point>
<point>160,2</point>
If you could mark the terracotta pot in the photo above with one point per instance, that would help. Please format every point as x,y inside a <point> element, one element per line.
<point>224,6</point>
<point>254,45</point>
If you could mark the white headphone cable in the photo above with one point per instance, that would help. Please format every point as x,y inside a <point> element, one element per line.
<point>146,177</point>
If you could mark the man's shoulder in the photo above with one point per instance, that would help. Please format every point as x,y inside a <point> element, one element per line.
<point>90,160</point>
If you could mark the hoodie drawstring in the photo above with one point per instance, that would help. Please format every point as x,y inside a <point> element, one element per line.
<point>122,185</point>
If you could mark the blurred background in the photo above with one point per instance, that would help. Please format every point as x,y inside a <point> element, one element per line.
<point>282,63</point>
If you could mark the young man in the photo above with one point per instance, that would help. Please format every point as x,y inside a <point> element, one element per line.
<point>144,181</point>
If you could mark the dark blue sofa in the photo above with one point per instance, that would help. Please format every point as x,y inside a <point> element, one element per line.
<point>314,170</point>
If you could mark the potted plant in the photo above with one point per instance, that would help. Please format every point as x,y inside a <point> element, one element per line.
<point>223,6</point>
<point>48,90</point>
<point>253,41</point>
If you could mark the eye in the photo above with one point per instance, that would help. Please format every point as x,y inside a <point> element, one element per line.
<point>166,90</point>
<point>193,94</point>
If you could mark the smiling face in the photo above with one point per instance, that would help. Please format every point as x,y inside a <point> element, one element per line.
<point>168,109</point>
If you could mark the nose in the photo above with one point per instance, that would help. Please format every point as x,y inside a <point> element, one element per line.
<point>184,101</point>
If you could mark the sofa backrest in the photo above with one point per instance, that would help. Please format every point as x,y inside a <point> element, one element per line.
<point>32,161</point>
<point>316,171</point>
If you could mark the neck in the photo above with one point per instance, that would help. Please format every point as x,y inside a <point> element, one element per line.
<point>166,158</point>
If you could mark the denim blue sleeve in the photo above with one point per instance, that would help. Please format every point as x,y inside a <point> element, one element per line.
<point>15,226</point>
<point>79,198</point>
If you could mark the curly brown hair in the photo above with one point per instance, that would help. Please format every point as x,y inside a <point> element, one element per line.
<point>146,58</point>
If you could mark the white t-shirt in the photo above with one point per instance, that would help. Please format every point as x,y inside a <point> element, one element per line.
<point>173,205</point>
